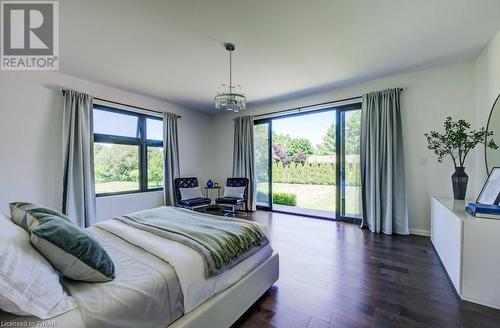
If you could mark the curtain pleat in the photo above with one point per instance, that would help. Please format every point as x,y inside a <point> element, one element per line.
<point>243,156</point>
<point>382,164</point>
<point>171,157</point>
<point>78,174</point>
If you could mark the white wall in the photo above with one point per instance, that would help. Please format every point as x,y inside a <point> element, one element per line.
<point>30,142</point>
<point>429,96</point>
<point>487,90</point>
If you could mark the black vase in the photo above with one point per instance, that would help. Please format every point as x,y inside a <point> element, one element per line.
<point>459,180</point>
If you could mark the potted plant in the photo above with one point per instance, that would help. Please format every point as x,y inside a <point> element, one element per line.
<point>457,141</point>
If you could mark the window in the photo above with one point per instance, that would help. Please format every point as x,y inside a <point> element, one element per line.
<point>128,151</point>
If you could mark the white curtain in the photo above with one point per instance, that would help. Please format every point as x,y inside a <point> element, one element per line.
<point>243,156</point>
<point>171,157</point>
<point>78,174</point>
<point>382,163</point>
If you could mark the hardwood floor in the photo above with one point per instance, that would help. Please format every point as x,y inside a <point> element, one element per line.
<point>336,275</point>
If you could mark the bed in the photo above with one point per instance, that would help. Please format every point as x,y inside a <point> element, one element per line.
<point>162,282</point>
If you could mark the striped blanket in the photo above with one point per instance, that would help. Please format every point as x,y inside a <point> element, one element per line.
<point>222,242</point>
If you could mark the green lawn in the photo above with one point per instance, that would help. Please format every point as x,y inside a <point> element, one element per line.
<point>118,186</point>
<point>321,197</point>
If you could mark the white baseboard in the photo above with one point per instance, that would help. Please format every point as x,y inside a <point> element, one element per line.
<point>419,232</point>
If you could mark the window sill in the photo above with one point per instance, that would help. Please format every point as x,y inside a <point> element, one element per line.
<point>124,193</point>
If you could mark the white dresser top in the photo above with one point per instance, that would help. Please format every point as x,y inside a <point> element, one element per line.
<point>457,207</point>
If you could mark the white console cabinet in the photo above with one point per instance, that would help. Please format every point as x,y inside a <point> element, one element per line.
<point>469,249</point>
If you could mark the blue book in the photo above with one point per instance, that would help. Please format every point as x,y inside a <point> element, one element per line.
<point>482,208</point>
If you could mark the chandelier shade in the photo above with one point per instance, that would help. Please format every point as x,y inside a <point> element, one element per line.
<point>230,97</point>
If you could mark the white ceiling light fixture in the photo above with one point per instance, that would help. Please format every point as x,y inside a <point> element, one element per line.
<point>230,97</point>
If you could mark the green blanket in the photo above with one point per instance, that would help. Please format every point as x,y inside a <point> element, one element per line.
<point>222,242</point>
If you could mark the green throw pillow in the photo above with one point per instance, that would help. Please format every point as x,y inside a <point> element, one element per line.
<point>21,214</point>
<point>71,250</point>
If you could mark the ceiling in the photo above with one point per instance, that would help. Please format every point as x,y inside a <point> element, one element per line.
<point>285,48</point>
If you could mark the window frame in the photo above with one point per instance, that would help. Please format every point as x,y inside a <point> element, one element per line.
<point>140,140</point>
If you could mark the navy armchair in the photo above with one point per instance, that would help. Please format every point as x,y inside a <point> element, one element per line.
<point>235,201</point>
<point>189,182</point>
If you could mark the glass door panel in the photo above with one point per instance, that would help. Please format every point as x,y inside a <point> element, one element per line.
<point>304,159</point>
<point>262,142</point>
<point>350,171</point>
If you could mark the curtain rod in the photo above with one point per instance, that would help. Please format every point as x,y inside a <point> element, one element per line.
<point>123,104</point>
<point>331,102</point>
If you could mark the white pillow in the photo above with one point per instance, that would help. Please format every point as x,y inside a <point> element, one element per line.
<point>190,193</point>
<point>29,285</point>
<point>237,192</point>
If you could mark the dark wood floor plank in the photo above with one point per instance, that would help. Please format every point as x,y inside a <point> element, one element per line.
<point>334,274</point>
<point>318,323</point>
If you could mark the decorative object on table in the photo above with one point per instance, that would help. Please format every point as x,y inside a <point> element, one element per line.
<point>457,141</point>
<point>492,156</point>
<point>490,194</point>
<point>230,97</point>
<point>216,185</point>
<point>484,211</point>
<point>210,183</point>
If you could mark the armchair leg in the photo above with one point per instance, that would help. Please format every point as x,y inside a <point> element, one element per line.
<point>232,212</point>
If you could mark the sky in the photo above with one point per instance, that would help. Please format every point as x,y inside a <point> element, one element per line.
<point>124,125</point>
<point>312,126</point>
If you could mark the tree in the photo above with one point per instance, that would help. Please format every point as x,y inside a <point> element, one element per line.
<point>352,137</point>
<point>279,153</point>
<point>328,145</point>
<point>261,141</point>
<point>155,166</point>
<point>116,163</point>
<point>287,149</point>
<point>300,146</point>
<point>282,140</point>
<point>352,134</point>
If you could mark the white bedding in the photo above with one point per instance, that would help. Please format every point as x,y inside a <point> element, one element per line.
<point>188,264</point>
<point>145,293</point>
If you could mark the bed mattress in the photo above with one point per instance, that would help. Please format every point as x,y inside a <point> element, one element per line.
<point>145,292</point>
<point>188,264</point>
<point>157,281</point>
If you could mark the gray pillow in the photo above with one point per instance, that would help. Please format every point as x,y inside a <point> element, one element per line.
<point>71,250</point>
<point>20,214</point>
<point>190,193</point>
<point>234,192</point>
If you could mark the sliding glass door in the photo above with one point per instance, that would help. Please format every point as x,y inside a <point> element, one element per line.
<point>308,163</point>
<point>350,165</point>
<point>263,162</point>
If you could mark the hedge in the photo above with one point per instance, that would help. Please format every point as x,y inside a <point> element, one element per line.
<point>284,198</point>
<point>314,173</point>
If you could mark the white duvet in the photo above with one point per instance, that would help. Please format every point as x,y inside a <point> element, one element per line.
<point>187,263</point>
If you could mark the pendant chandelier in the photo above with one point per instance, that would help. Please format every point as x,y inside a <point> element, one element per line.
<point>230,97</point>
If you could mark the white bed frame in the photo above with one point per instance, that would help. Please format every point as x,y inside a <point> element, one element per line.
<point>225,308</point>
<point>220,311</point>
